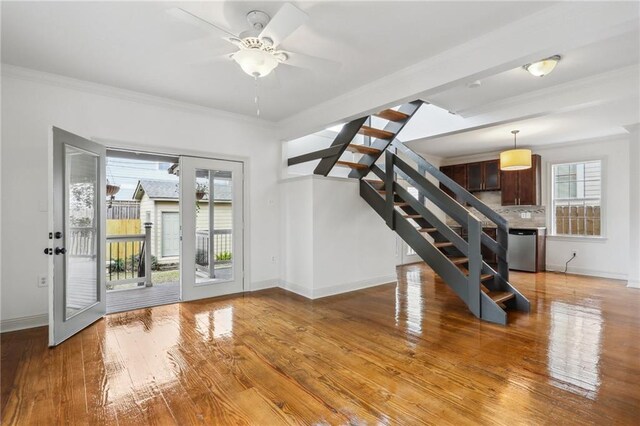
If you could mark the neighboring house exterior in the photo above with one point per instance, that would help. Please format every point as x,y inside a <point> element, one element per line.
<point>161,199</point>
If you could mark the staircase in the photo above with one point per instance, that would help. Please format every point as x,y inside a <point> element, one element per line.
<point>457,260</point>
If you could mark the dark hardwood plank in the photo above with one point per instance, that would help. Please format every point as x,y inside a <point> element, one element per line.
<point>404,353</point>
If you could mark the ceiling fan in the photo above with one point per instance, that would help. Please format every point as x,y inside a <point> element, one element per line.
<point>259,50</point>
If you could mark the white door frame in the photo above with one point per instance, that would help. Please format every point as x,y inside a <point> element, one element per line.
<point>134,147</point>
<point>61,327</point>
<point>190,289</point>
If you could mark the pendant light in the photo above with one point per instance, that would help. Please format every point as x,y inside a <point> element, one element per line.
<point>515,159</point>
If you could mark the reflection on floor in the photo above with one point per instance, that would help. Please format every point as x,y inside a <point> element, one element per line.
<point>143,297</point>
<point>158,294</point>
<point>402,353</point>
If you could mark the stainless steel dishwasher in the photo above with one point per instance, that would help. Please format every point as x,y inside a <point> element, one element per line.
<point>521,254</point>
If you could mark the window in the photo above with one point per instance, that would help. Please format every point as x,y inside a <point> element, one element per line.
<point>576,198</point>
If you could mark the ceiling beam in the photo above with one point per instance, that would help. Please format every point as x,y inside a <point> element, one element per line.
<point>555,29</point>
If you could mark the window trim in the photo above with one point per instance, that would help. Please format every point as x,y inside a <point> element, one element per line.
<point>603,199</point>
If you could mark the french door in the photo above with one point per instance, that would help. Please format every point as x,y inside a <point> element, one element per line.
<point>77,297</point>
<point>405,254</point>
<point>211,209</point>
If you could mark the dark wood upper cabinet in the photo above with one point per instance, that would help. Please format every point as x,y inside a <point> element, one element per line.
<point>458,173</point>
<point>474,177</point>
<point>522,187</point>
<point>491,175</point>
<point>483,176</point>
<point>509,190</point>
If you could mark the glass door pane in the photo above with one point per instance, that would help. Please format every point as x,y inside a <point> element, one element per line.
<point>81,179</point>
<point>211,209</point>
<point>214,225</point>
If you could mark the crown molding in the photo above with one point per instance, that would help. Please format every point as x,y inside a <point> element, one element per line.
<point>28,74</point>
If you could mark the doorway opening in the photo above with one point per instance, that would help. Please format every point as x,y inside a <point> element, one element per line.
<point>142,252</point>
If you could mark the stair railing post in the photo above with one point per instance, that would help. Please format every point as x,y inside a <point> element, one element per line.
<point>389,190</point>
<point>502,238</point>
<point>475,264</point>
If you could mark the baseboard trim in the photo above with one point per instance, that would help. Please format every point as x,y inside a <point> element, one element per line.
<point>265,284</point>
<point>354,286</point>
<point>22,323</point>
<point>297,289</point>
<point>633,284</point>
<point>587,272</point>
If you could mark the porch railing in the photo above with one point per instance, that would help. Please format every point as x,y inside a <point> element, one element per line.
<point>222,248</point>
<point>127,257</point>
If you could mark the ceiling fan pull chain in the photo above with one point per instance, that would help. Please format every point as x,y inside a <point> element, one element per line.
<point>257,98</point>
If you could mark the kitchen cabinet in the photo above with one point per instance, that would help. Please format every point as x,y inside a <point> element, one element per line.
<point>483,176</point>
<point>522,187</point>
<point>458,173</point>
<point>487,255</point>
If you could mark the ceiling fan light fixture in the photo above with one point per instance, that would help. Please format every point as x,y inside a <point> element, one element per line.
<point>543,67</point>
<point>256,62</point>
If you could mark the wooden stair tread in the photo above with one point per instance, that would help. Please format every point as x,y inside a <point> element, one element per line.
<point>392,115</point>
<point>443,244</point>
<point>412,216</point>
<point>485,277</point>
<point>459,260</point>
<point>401,204</point>
<point>351,165</point>
<point>500,296</point>
<point>428,230</point>
<point>363,149</point>
<point>375,133</point>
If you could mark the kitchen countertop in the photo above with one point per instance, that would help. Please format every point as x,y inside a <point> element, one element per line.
<point>529,228</point>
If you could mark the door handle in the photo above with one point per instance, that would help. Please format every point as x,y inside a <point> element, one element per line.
<point>59,250</point>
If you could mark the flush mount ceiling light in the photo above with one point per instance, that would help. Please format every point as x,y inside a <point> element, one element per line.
<point>515,159</point>
<point>543,67</point>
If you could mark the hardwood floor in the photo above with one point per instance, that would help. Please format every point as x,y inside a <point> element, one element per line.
<point>395,354</point>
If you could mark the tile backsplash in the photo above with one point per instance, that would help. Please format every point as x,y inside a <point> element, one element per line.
<point>535,215</point>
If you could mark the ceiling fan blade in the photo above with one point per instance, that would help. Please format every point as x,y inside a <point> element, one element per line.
<point>190,18</point>
<point>311,62</point>
<point>286,21</point>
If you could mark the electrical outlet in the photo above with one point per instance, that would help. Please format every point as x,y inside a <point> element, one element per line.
<point>273,259</point>
<point>42,280</point>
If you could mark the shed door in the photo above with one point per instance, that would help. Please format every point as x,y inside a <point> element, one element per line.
<point>170,234</point>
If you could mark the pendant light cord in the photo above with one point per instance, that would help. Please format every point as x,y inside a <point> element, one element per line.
<point>515,143</point>
<point>257,98</point>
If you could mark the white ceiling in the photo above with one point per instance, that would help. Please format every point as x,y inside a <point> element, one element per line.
<point>606,55</point>
<point>137,46</point>
<point>593,92</point>
<point>583,124</point>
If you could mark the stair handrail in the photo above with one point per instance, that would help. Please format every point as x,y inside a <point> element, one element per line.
<point>502,226</point>
<point>452,185</point>
<point>395,165</point>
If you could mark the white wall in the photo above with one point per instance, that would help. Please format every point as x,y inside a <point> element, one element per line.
<point>634,206</point>
<point>32,102</point>
<point>599,257</point>
<point>351,246</point>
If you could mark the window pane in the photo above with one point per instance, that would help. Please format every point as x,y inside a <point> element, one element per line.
<point>580,183</point>
<point>562,190</point>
